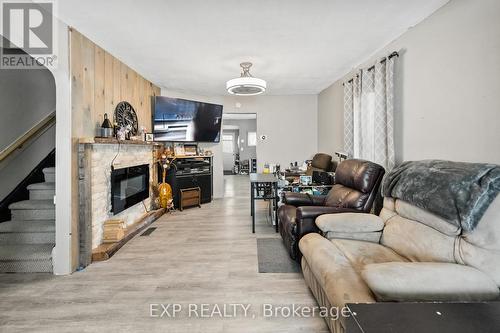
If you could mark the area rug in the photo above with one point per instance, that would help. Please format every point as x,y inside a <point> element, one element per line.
<point>273,257</point>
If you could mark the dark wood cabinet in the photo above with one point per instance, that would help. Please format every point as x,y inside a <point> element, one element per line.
<point>190,172</point>
<point>424,317</point>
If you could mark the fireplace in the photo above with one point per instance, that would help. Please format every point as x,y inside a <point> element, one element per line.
<point>129,186</point>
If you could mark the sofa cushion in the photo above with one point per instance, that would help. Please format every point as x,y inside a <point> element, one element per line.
<point>303,199</point>
<point>411,212</point>
<point>360,253</point>
<point>416,282</point>
<point>480,248</point>
<point>418,242</point>
<point>358,174</point>
<point>343,196</point>
<point>487,261</point>
<point>487,232</point>
<point>350,222</point>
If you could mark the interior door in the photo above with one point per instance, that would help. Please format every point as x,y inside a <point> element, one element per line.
<point>228,150</point>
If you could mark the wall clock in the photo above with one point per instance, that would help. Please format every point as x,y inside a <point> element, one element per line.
<point>125,115</point>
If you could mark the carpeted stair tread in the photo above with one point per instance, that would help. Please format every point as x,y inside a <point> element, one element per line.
<point>42,186</point>
<point>26,252</point>
<point>28,226</point>
<point>27,241</point>
<point>26,266</point>
<point>49,175</point>
<point>49,170</point>
<point>33,205</point>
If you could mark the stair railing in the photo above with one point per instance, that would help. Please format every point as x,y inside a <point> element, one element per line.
<point>39,128</point>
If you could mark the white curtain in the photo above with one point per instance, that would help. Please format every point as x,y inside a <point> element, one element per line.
<point>369,114</point>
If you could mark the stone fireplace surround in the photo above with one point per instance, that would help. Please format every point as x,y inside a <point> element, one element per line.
<point>95,160</point>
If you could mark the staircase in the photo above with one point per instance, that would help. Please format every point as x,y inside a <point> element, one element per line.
<point>26,242</point>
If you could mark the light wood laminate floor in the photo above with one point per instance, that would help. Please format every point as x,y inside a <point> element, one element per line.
<point>201,255</point>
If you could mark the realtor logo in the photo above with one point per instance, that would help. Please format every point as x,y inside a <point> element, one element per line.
<point>28,34</point>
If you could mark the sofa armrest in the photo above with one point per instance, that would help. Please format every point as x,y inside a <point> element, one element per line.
<point>357,226</point>
<point>428,282</point>
<point>306,215</point>
<point>350,222</point>
<point>303,199</point>
<point>307,212</point>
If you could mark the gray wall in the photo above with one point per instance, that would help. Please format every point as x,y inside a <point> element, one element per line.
<point>447,87</point>
<point>330,119</point>
<point>245,126</point>
<point>26,97</point>
<point>289,122</point>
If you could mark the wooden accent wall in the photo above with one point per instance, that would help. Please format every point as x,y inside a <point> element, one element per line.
<point>99,82</point>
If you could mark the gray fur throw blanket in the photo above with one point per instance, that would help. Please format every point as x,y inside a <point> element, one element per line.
<point>457,192</point>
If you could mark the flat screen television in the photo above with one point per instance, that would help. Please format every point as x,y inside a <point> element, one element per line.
<point>181,120</point>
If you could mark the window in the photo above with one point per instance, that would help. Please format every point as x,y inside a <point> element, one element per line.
<point>252,139</point>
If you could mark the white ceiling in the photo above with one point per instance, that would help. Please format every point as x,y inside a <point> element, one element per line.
<point>298,46</point>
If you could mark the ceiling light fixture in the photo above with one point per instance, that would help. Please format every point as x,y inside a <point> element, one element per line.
<point>246,84</point>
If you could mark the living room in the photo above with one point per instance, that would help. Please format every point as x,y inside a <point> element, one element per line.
<point>253,167</point>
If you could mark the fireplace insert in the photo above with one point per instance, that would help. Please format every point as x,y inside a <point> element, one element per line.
<point>129,186</point>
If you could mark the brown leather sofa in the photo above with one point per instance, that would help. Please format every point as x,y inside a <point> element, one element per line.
<point>320,162</point>
<point>356,187</point>
<point>406,254</point>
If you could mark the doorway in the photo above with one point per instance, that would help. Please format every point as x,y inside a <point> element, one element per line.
<point>239,143</point>
<point>229,150</point>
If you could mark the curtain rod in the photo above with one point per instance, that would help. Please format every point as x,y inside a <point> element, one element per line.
<point>392,55</point>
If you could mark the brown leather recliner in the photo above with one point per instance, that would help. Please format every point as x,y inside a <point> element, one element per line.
<point>356,186</point>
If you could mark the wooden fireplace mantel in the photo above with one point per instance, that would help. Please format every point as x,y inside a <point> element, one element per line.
<point>111,141</point>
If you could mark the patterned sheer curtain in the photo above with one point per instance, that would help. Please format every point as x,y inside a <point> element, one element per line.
<point>369,114</point>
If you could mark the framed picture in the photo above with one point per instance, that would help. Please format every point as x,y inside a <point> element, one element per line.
<point>150,137</point>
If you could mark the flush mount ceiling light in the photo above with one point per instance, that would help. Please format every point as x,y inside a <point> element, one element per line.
<point>246,84</point>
